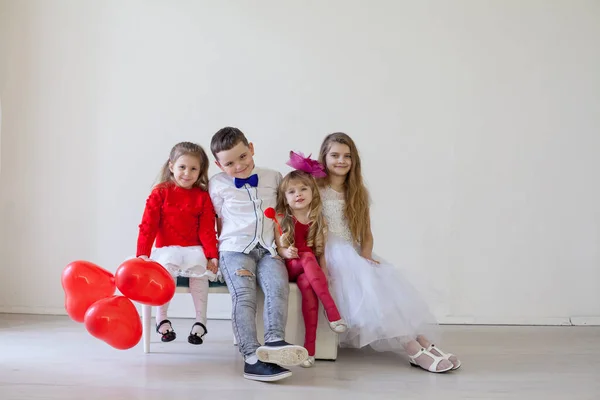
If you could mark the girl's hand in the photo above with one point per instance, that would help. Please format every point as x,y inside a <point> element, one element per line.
<point>213,265</point>
<point>290,252</point>
<point>369,258</point>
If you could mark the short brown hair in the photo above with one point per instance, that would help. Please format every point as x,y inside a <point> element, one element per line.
<point>226,139</point>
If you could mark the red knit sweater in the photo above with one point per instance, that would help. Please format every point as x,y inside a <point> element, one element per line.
<point>175,216</point>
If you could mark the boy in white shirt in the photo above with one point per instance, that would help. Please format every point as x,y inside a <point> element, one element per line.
<point>247,255</point>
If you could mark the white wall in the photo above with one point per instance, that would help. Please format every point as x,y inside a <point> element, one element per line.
<point>477,121</point>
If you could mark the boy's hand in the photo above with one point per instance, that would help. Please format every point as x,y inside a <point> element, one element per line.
<point>290,253</point>
<point>213,265</point>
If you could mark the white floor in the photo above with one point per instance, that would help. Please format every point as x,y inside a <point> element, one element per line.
<point>51,357</point>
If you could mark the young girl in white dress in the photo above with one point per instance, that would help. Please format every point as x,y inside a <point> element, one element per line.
<point>381,307</point>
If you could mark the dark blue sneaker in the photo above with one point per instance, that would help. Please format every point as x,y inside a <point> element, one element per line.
<point>282,353</point>
<point>265,372</point>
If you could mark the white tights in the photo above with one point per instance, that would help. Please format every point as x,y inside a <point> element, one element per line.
<point>199,292</point>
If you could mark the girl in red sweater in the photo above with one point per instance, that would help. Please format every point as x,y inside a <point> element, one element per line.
<point>179,220</point>
<point>301,244</point>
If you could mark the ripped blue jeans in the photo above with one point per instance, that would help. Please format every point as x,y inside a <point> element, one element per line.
<point>241,273</point>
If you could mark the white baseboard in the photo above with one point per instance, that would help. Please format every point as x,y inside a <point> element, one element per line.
<point>33,310</point>
<point>521,321</point>
<point>224,316</point>
<point>219,307</point>
<point>472,320</point>
<point>586,321</point>
<point>220,312</point>
<point>61,311</point>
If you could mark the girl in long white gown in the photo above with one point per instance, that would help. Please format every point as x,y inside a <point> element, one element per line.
<point>381,307</point>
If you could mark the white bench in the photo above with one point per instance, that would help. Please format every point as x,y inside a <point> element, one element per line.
<point>327,341</point>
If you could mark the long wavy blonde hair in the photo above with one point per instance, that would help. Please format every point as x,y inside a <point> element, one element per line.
<point>318,228</point>
<point>356,194</point>
<point>183,149</point>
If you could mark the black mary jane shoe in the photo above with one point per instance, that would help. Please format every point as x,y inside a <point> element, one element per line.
<point>194,338</point>
<point>169,335</point>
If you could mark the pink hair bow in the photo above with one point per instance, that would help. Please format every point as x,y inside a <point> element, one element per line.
<point>300,162</point>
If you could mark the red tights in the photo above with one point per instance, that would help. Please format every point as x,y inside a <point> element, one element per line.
<point>312,283</point>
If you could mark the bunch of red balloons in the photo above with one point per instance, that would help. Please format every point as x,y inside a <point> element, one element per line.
<point>90,297</point>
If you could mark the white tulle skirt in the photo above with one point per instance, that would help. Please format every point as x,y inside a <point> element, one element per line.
<point>182,261</point>
<point>379,304</point>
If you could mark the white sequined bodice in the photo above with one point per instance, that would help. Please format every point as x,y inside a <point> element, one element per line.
<point>333,210</point>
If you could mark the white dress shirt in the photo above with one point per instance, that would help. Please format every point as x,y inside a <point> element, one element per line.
<point>243,222</point>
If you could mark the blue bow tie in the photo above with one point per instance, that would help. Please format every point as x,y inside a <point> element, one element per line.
<point>252,180</point>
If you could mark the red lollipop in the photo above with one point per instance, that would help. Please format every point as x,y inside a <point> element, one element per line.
<point>270,213</point>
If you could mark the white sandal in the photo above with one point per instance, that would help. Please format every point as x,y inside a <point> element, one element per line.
<point>309,362</point>
<point>445,355</point>
<point>433,366</point>
<point>339,326</point>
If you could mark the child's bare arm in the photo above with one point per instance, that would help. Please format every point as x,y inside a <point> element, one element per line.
<point>366,247</point>
<point>285,252</point>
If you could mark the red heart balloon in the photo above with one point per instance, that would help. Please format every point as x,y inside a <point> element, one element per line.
<point>115,321</point>
<point>84,283</point>
<point>145,281</point>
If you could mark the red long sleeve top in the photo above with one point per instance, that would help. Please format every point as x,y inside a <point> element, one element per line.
<point>175,216</point>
